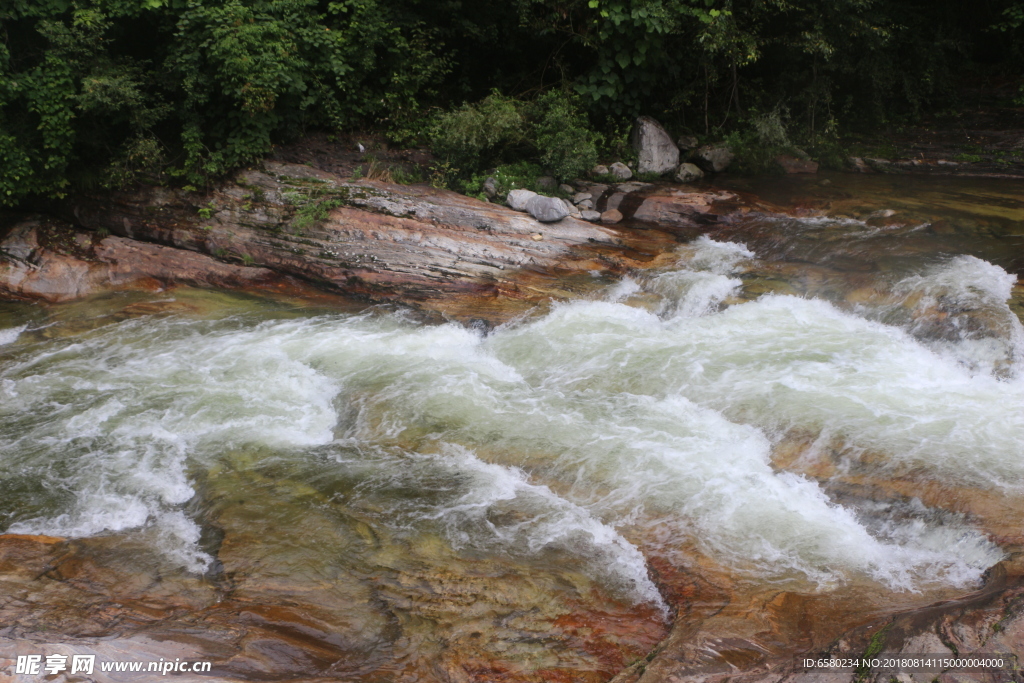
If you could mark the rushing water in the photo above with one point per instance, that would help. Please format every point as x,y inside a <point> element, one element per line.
<point>589,438</point>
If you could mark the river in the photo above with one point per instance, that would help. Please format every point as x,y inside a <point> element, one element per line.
<point>825,407</point>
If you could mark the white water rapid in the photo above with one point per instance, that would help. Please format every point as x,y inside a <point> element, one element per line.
<point>598,430</point>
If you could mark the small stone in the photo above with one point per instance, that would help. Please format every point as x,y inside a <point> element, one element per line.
<point>547,183</point>
<point>547,209</point>
<point>592,216</point>
<point>490,188</point>
<point>688,173</point>
<point>621,171</point>
<point>566,188</point>
<point>585,204</point>
<point>580,196</point>
<point>536,237</point>
<point>518,199</point>
<point>599,170</point>
<point>611,216</point>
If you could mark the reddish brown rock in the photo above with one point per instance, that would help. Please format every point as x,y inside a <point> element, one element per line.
<point>611,216</point>
<point>792,164</point>
<point>680,208</point>
<point>52,261</point>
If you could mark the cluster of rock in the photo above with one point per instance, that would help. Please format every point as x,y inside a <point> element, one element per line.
<point>658,154</point>
<point>550,209</point>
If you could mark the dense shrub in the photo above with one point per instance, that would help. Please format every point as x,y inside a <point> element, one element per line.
<point>102,92</point>
<point>552,131</point>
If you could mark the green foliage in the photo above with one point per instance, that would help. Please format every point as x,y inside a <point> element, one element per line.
<point>104,92</point>
<point>478,134</point>
<point>522,175</point>
<point>552,130</point>
<point>968,158</point>
<point>566,145</point>
<point>313,209</point>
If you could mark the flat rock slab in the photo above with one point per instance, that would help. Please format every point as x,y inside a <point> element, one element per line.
<point>372,240</point>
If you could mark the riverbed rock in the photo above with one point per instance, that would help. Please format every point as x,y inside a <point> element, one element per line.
<point>620,171</point>
<point>592,216</point>
<point>599,170</point>
<point>611,216</point>
<point>518,199</point>
<point>793,164</point>
<point>688,173</point>
<point>713,158</point>
<point>652,143</point>
<point>684,208</point>
<point>580,196</point>
<point>585,205</point>
<point>547,209</point>
<point>77,264</point>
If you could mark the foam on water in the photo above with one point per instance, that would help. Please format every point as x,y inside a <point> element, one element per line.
<point>126,415</point>
<point>959,308</point>
<point>11,334</point>
<point>550,522</point>
<point>591,430</point>
<point>702,280</point>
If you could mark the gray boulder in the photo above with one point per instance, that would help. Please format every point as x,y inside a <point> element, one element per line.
<point>599,170</point>
<point>687,142</point>
<point>620,171</point>
<point>592,216</point>
<point>585,204</point>
<point>547,209</point>
<point>566,188</point>
<point>688,173</point>
<point>490,187</point>
<point>658,154</point>
<point>580,196</point>
<point>518,199</point>
<point>713,158</point>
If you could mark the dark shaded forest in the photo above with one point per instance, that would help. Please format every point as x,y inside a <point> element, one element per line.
<point>101,93</point>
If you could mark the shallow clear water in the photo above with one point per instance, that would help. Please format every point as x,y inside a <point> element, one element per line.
<point>586,440</point>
